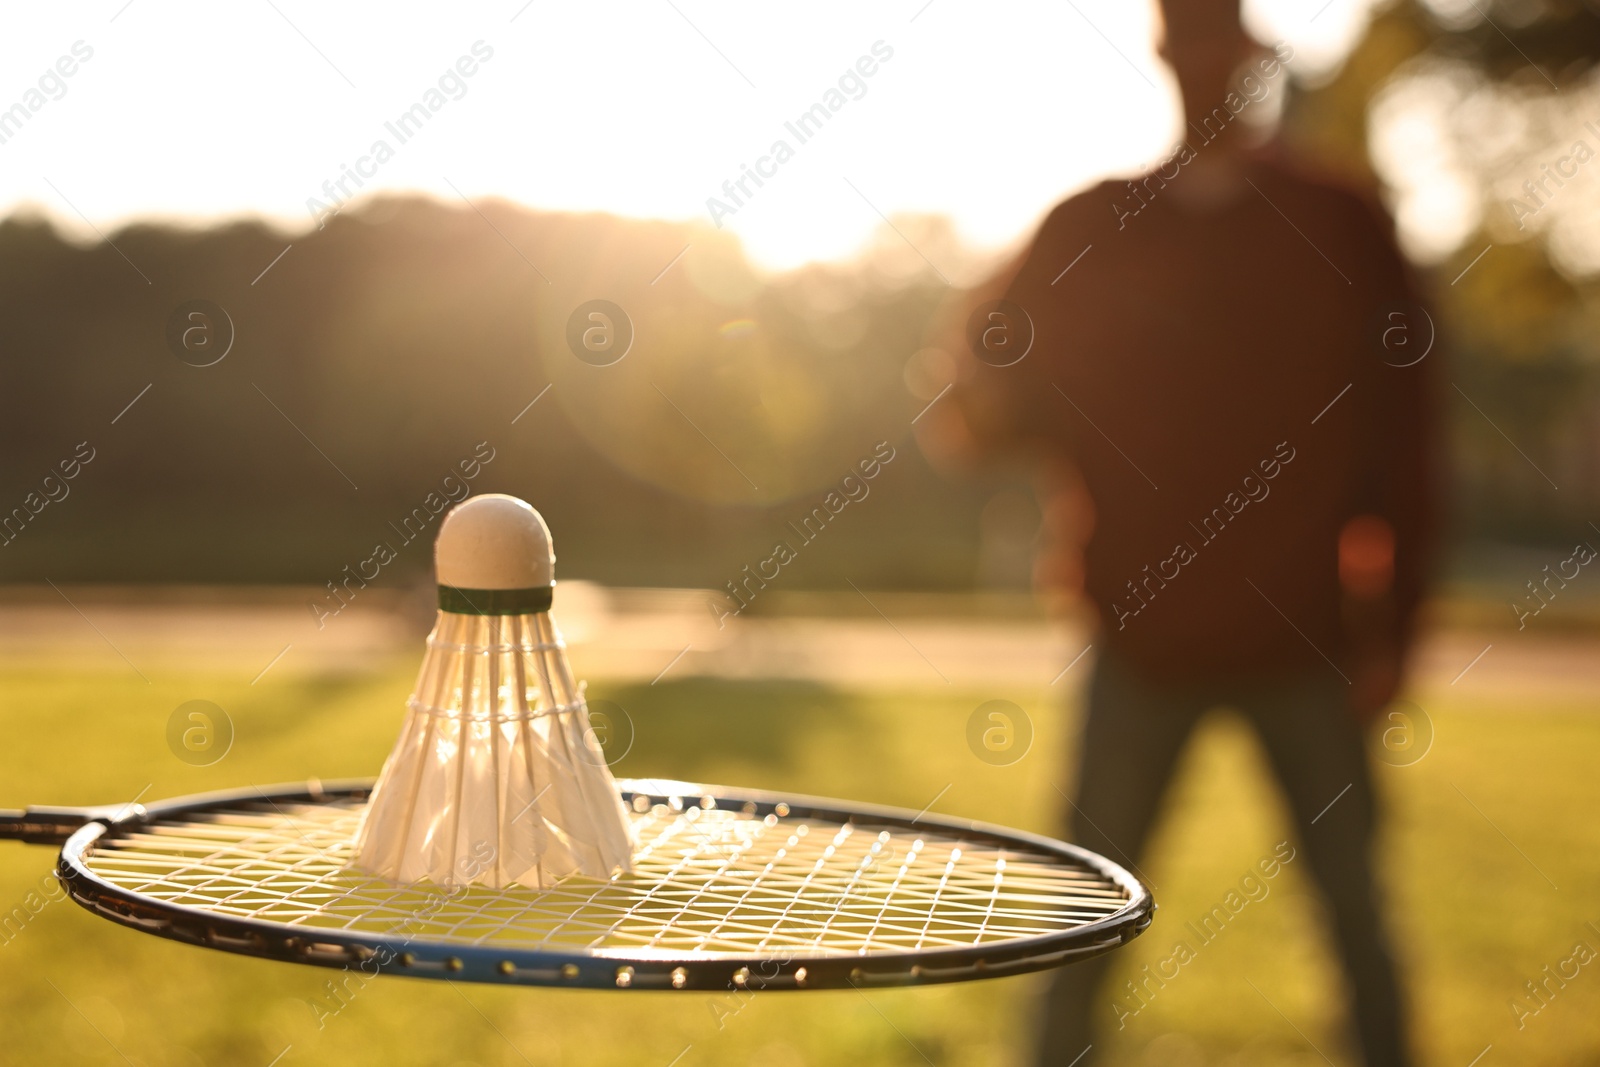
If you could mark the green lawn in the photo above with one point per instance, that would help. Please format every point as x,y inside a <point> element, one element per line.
<point>1474,917</point>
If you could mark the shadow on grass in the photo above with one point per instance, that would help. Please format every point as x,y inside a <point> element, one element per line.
<point>695,726</point>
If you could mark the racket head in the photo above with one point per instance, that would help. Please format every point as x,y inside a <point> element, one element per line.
<point>732,888</point>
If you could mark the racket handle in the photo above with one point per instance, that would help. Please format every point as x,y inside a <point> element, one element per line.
<point>47,825</point>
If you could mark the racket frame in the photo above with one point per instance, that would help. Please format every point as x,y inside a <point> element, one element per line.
<point>374,953</point>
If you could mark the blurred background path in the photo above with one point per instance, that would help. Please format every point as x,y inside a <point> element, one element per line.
<point>628,635</point>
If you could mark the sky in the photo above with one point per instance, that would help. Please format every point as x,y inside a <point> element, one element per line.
<point>987,113</point>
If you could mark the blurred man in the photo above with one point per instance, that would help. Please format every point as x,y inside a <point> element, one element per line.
<point>1228,356</point>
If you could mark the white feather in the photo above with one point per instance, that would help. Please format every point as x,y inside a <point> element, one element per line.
<point>497,777</point>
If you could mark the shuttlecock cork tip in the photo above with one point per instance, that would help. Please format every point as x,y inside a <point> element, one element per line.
<point>494,541</point>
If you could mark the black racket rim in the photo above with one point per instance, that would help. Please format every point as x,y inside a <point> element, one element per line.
<point>373,953</point>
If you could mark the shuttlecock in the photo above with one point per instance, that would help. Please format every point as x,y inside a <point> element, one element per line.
<point>497,777</point>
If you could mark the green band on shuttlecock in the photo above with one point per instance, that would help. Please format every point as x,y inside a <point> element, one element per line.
<point>495,601</point>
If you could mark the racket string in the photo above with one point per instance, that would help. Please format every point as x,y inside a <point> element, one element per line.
<point>716,881</point>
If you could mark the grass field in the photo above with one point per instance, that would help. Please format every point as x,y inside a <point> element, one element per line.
<point>1482,832</point>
